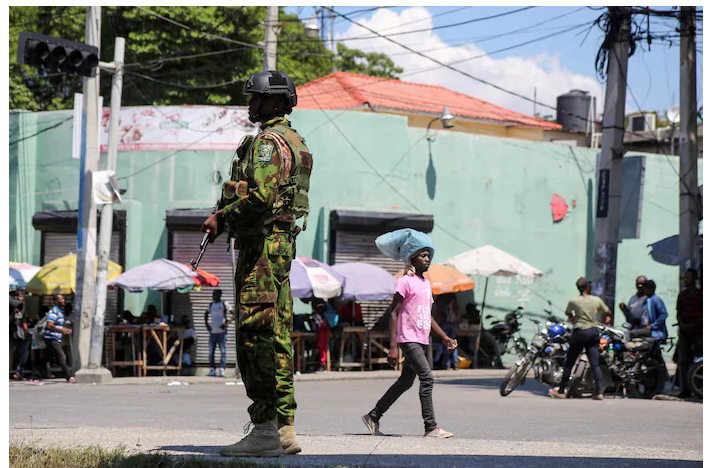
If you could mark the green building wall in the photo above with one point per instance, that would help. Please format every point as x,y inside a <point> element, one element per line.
<point>480,190</point>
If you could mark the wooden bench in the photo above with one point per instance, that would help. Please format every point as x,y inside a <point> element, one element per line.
<point>132,333</point>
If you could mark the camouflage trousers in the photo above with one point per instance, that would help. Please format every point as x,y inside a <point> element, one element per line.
<point>265,307</point>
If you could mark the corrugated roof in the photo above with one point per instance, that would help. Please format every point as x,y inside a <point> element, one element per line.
<point>342,90</point>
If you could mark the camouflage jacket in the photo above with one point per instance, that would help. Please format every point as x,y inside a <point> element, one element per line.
<point>248,199</point>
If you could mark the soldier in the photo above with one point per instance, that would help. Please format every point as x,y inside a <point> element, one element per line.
<point>259,205</point>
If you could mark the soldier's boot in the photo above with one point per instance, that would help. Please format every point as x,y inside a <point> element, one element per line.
<point>288,440</point>
<point>263,441</point>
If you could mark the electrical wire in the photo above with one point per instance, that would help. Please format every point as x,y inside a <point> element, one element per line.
<point>46,129</point>
<point>183,86</point>
<point>213,36</point>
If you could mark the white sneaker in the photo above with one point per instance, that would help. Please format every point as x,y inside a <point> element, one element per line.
<point>439,433</point>
<point>222,372</point>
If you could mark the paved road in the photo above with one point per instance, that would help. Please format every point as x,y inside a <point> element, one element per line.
<point>524,429</point>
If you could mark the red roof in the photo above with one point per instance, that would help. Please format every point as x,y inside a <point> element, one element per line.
<point>342,90</point>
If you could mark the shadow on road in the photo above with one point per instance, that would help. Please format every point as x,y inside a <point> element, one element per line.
<point>459,461</point>
<point>530,386</point>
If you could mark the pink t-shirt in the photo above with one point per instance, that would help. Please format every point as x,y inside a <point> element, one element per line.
<point>414,319</point>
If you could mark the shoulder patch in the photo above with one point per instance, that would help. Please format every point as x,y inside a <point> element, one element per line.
<point>265,152</point>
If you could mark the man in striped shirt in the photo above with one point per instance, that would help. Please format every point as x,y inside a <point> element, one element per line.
<point>53,333</point>
<point>689,314</point>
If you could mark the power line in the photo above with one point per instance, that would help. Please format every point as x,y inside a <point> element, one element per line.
<point>183,86</point>
<point>213,36</point>
<point>46,129</point>
<point>424,19</point>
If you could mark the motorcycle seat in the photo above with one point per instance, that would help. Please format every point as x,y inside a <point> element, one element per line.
<point>640,344</point>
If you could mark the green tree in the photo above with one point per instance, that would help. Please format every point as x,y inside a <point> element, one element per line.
<point>371,63</point>
<point>171,64</point>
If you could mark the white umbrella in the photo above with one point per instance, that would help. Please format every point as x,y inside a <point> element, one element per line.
<point>158,275</point>
<point>490,261</point>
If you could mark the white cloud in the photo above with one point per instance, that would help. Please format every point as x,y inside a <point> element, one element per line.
<point>515,73</point>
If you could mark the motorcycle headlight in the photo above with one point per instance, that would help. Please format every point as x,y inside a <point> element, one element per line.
<point>539,341</point>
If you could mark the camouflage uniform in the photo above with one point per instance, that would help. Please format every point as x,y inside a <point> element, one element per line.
<point>265,233</point>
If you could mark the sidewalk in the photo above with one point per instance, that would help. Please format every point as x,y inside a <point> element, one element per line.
<point>309,377</point>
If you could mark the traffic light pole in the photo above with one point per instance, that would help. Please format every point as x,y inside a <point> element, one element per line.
<point>94,372</point>
<point>86,233</point>
<point>270,53</point>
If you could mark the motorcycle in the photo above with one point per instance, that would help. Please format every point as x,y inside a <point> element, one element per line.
<point>695,377</point>
<point>545,355</point>
<point>506,333</point>
<point>633,366</point>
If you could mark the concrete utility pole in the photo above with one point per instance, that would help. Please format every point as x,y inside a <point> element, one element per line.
<point>609,185</point>
<point>86,233</point>
<point>270,54</point>
<point>688,149</point>
<point>94,372</point>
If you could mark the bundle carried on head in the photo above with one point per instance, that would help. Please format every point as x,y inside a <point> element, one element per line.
<point>403,244</point>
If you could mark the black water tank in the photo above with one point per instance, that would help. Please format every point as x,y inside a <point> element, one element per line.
<point>573,110</point>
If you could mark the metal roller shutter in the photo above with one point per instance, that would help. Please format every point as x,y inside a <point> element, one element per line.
<point>217,261</point>
<point>356,246</point>
<point>59,244</point>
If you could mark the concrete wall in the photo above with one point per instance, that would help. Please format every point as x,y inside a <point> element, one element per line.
<point>481,190</point>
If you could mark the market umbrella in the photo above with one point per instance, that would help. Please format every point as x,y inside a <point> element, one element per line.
<point>21,274</point>
<point>490,261</point>
<point>445,279</point>
<point>365,282</point>
<point>59,276</point>
<point>158,275</point>
<point>310,278</point>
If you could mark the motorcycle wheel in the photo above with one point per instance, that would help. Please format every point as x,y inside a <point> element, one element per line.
<point>695,379</point>
<point>514,377</point>
<point>651,382</point>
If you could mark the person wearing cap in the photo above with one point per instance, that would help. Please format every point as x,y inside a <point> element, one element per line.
<point>410,325</point>
<point>266,194</point>
<point>583,312</point>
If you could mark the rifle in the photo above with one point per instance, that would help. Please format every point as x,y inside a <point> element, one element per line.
<point>203,245</point>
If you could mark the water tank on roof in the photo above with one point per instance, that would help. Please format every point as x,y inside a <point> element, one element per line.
<point>573,110</point>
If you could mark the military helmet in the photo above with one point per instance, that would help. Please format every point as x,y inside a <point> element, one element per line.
<point>272,82</point>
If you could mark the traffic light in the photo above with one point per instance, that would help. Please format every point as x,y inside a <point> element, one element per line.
<point>57,55</point>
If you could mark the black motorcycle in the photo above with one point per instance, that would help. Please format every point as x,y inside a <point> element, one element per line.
<point>634,367</point>
<point>506,333</point>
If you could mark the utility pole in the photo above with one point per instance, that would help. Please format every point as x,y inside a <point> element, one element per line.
<point>270,54</point>
<point>94,372</point>
<point>688,149</point>
<point>331,30</point>
<point>609,186</point>
<point>86,233</point>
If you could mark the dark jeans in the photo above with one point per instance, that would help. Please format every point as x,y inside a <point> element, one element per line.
<point>24,348</point>
<point>416,363</point>
<point>54,349</point>
<point>217,339</point>
<point>589,340</point>
<point>690,346</point>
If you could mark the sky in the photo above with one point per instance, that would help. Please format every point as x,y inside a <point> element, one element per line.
<point>551,65</point>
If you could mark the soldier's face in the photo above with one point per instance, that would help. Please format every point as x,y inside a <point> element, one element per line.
<point>254,106</point>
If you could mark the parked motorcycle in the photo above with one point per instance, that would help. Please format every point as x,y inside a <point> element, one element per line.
<point>695,377</point>
<point>633,366</point>
<point>545,355</point>
<point>506,333</point>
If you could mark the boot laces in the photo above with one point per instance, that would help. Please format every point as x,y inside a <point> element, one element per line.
<point>247,427</point>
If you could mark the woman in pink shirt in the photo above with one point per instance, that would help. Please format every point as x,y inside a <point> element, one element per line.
<point>410,325</point>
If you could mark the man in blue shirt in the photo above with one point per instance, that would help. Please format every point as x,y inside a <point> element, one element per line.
<point>654,315</point>
<point>53,333</point>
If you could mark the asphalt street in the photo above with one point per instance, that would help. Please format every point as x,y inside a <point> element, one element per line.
<point>524,429</point>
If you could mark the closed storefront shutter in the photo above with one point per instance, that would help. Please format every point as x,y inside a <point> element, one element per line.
<point>357,246</point>
<point>217,261</point>
<point>59,244</point>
